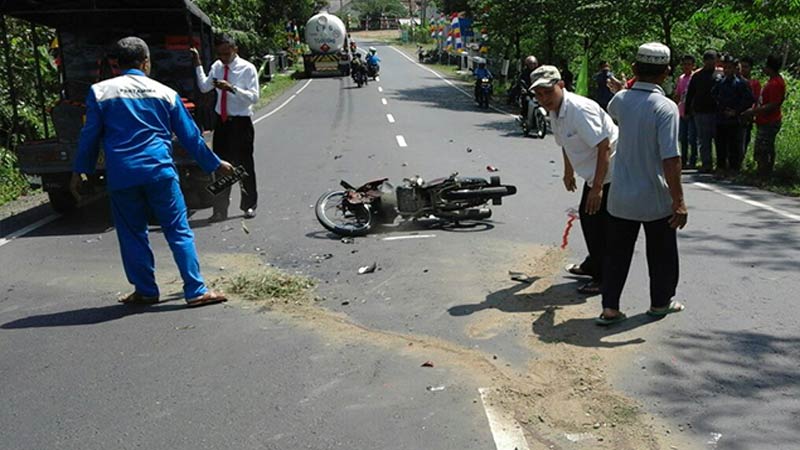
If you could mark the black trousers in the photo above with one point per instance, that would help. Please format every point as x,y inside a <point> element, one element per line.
<point>594,233</point>
<point>662,260</point>
<point>233,142</point>
<point>729,146</point>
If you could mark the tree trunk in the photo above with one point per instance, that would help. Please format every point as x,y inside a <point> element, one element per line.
<point>517,45</point>
<point>551,41</point>
<point>666,24</point>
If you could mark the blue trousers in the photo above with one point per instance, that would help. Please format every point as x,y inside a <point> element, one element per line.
<point>131,208</point>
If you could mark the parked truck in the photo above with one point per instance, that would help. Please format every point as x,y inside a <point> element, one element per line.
<point>325,35</point>
<point>86,32</point>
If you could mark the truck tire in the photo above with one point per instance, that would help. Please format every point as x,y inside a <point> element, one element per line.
<point>62,201</point>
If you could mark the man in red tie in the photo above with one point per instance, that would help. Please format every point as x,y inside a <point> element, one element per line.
<point>236,81</point>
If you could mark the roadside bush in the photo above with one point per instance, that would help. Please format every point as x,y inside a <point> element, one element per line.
<point>12,183</point>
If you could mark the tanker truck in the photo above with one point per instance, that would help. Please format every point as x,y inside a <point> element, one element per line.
<point>325,36</point>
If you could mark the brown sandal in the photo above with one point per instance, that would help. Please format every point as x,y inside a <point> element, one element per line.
<point>135,298</point>
<point>209,298</point>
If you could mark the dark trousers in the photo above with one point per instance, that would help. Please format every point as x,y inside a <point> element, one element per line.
<point>729,146</point>
<point>594,233</point>
<point>233,142</point>
<point>662,260</point>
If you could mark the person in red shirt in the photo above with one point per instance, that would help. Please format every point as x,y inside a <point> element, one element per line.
<point>767,113</point>
<point>746,66</point>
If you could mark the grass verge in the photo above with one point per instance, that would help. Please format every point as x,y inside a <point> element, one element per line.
<point>269,285</point>
<point>279,84</point>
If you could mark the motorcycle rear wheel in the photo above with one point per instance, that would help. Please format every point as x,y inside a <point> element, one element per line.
<point>350,220</point>
<point>541,125</point>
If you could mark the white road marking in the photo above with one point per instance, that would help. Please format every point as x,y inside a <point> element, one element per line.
<point>468,94</point>
<point>746,200</point>
<point>412,236</point>
<point>390,118</point>
<point>288,100</point>
<point>401,141</point>
<point>506,431</point>
<point>380,89</point>
<point>23,231</point>
<point>383,100</point>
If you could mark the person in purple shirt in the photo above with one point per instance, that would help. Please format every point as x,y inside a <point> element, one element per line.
<point>135,118</point>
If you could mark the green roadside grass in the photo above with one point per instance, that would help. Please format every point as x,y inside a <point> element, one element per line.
<point>277,86</point>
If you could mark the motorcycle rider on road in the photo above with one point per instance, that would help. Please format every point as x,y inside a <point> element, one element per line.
<point>480,73</point>
<point>358,66</point>
<point>526,104</point>
<point>373,60</point>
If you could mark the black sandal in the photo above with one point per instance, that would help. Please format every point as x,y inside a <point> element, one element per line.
<point>135,298</point>
<point>575,269</point>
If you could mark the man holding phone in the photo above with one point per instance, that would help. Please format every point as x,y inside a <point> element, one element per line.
<point>236,81</point>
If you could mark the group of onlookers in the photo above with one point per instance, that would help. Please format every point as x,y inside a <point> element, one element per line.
<point>718,103</point>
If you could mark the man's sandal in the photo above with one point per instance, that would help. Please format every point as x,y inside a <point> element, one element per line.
<point>209,298</point>
<point>135,298</point>
<point>674,307</point>
<point>603,321</point>
<point>575,269</point>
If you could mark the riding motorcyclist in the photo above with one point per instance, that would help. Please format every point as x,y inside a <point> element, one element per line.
<point>373,61</point>
<point>358,67</point>
<point>524,84</point>
<point>480,73</point>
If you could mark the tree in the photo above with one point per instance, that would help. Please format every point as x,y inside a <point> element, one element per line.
<point>375,9</point>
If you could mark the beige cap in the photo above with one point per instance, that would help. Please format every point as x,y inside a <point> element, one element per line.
<point>545,76</point>
<point>653,53</point>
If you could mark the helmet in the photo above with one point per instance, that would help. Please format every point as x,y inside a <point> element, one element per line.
<point>373,49</point>
<point>479,60</point>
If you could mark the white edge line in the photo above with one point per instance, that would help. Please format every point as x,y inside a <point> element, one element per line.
<point>415,236</point>
<point>390,118</point>
<point>446,80</point>
<point>746,200</point>
<point>293,96</point>
<point>401,141</point>
<point>23,231</point>
<point>506,431</point>
<point>383,100</point>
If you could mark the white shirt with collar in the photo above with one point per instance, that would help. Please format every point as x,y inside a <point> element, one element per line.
<point>242,75</point>
<point>578,127</point>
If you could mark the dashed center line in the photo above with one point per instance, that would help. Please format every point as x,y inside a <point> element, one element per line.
<point>401,141</point>
<point>383,100</point>
<point>390,118</point>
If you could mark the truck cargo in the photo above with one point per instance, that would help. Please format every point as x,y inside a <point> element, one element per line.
<point>325,35</point>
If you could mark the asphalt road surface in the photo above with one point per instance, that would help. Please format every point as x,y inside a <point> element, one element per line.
<point>81,372</point>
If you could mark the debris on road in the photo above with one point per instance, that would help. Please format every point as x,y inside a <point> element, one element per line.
<point>347,240</point>
<point>322,257</point>
<point>345,303</point>
<point>245,229</point>
<point>469,149</point>
<point>492,169</point>
<point>367,269</point>
<point>185,327</point>
<point>93,240</point>
<point>427,364</point>
<point>435,388</point>
<point>404,164</point>
<point>577,437</point>
<point>521,277</point>
<point>337,157</point>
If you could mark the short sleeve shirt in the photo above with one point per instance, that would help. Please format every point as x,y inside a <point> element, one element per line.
<point>648,135</point>
<point>774,92</point>
<point>681,90</point>
<point>578,127</point>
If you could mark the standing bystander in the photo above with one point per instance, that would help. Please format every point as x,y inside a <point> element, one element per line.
<point>135,118</point>
<point>587,136</point>
<point>733,97</point>
<point>746,68</point>
<point>687,130</point>
<point>647,188</point>
<point>768,116</point>
<point>236,81</point>
<point>601,93</point>
<point>701,106</point>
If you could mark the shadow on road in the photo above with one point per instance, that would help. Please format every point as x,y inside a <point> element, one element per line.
<point>728,372</point>
<point>88,316</point>
<point>584,332</point>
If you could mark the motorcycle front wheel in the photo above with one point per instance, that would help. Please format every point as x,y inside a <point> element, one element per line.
<point>541,124</point>
<point>342,218</point>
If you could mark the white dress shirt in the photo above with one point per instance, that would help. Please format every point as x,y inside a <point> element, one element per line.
<point>579,126</point>
<point>244,78</point>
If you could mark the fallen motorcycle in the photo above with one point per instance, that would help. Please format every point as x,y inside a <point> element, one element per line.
<point>356,210</point>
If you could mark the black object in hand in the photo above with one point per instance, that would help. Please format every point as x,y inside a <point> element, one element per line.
<point>224,182</point>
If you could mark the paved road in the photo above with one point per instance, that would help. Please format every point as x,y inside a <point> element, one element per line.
<point>82,372</point>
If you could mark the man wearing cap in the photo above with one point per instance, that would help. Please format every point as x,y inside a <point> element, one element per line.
<point>701,106</point>
<point>647,187</point>
<point>587,137</point>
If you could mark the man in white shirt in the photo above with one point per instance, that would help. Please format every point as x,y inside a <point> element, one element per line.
<point>236,81</point>
<point>588,138</point>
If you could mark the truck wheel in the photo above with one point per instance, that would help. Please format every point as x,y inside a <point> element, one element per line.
<point>62,201</point>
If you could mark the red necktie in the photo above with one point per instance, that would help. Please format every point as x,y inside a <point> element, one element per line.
<point>223,103</point>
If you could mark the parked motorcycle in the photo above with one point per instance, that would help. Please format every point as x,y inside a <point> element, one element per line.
<point>534,119</point>
<point>355,210</point>
<point>484,92</point>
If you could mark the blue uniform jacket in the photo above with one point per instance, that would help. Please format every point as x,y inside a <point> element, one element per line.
<point>482,72</point>
<point>135,117</point>
<point>373,60</point>
<point>731,93</point>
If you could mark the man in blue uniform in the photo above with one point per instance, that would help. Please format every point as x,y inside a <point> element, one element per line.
<point>135,117</point>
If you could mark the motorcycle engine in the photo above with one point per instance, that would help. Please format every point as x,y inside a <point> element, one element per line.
<point>409,199</point>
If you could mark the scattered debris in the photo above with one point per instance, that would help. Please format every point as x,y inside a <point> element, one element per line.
<point>404,164</point>
<point>345,303</point>
<point>338,157</point>
<point>427,364</point>
<point>552,161</point>
<point>227,228</point>
<point>370,156</point>
<point>435,388</point>
<point>451,140</point>
<point>492,169</point>
<point>469,149</point>
<point>577,437</point>
<point>367,269</point>
<point>185,327</point>
<point>245,229</point>
<point>93,240</point>
<point>347,240</point>
<point>323,257</point>
<point>521,277</point>
<point>714,440</point>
